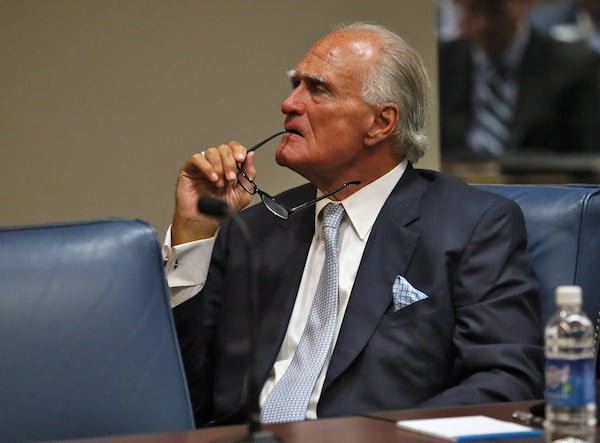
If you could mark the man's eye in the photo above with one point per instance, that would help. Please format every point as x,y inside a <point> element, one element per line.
<point>317,88</point>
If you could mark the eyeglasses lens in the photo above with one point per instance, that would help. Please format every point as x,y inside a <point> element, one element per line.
<point>274,206</point>
<point>246,183</point>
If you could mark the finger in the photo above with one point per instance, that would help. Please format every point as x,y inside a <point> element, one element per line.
<point>239,151</point>
<point>223,163</point>
<point>199,167</point>
<point>228,162</point>
<point>248,166</point>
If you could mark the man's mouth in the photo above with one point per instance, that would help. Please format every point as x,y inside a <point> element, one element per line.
<point>295,131</point>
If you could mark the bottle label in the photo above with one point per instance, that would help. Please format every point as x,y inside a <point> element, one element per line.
<point>569,382</point>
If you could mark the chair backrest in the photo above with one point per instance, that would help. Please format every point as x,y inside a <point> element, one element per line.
<point>87,341</point>
<point>597,360</point>
<point>563,228</point>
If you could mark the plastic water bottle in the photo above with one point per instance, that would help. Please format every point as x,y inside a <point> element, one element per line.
<point>569,349</point>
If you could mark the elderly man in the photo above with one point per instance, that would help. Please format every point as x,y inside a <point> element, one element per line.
<point>400,289</point>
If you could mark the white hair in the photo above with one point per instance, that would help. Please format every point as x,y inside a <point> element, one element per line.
<point>398,76</point>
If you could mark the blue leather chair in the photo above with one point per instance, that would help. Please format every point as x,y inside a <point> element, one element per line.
<point>563,228</point>
<point>87,342</point>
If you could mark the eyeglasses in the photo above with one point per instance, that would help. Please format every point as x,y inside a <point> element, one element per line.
<point>271,203</point>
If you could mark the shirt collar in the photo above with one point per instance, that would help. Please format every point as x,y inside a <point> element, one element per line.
<point>362,207</point>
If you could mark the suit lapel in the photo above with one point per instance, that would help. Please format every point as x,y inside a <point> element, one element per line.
<point>372,291</point>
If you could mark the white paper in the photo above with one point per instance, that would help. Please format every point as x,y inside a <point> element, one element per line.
<point>466,428</point>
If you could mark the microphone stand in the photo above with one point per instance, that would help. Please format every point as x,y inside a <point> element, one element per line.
<point>256,434</point>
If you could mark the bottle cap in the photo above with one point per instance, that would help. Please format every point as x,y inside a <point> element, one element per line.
<point>568,295</point>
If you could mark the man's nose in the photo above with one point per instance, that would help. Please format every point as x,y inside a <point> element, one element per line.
<point>294,103</point>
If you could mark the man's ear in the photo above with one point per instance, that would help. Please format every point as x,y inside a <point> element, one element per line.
<point>384,123</point>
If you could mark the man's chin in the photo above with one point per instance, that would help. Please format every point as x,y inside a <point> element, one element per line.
<point>287,160</point>
<point>286,163</point>
<point>284,155</point>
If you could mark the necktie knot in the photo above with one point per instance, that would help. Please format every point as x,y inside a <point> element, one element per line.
<point>333,215</point>
<point>499,69</point>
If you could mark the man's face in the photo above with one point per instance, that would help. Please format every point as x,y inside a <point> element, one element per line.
<point>325,114</point>
<point>492,24</point>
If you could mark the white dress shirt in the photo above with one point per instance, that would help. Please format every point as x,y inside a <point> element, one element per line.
<point>187,268</point>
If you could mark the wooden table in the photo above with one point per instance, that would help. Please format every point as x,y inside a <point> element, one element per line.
<point>371,428</point>
<point>334,430</point>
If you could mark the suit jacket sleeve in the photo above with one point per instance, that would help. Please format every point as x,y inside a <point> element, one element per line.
<point>497,329</point>
<point>196,325</point>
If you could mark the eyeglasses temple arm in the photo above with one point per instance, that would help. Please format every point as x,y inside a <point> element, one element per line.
<point>318,199</point>
<point>262,142</point>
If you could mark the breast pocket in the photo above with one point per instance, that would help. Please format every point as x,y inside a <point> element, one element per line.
<point>411,313</point>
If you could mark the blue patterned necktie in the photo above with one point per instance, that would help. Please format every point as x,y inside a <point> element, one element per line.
<point>493,114</point>
<point>289,399</point>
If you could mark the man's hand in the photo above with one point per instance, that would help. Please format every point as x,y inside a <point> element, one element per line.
<point>211,172</point>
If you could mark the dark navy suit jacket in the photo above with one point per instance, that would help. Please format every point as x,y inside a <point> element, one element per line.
<point>475,339</point>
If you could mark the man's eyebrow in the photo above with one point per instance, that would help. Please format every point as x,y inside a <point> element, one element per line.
<point>294,75</point>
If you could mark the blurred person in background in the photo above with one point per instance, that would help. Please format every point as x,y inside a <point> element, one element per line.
<point>506,87</point>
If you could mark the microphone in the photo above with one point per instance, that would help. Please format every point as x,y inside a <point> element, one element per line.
<point>213,206</point>
<point>216,207</point>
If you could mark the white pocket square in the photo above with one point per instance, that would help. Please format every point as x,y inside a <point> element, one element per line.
<point>404,294</point>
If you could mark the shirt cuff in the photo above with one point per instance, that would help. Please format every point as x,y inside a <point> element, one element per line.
<point>186,266</point>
